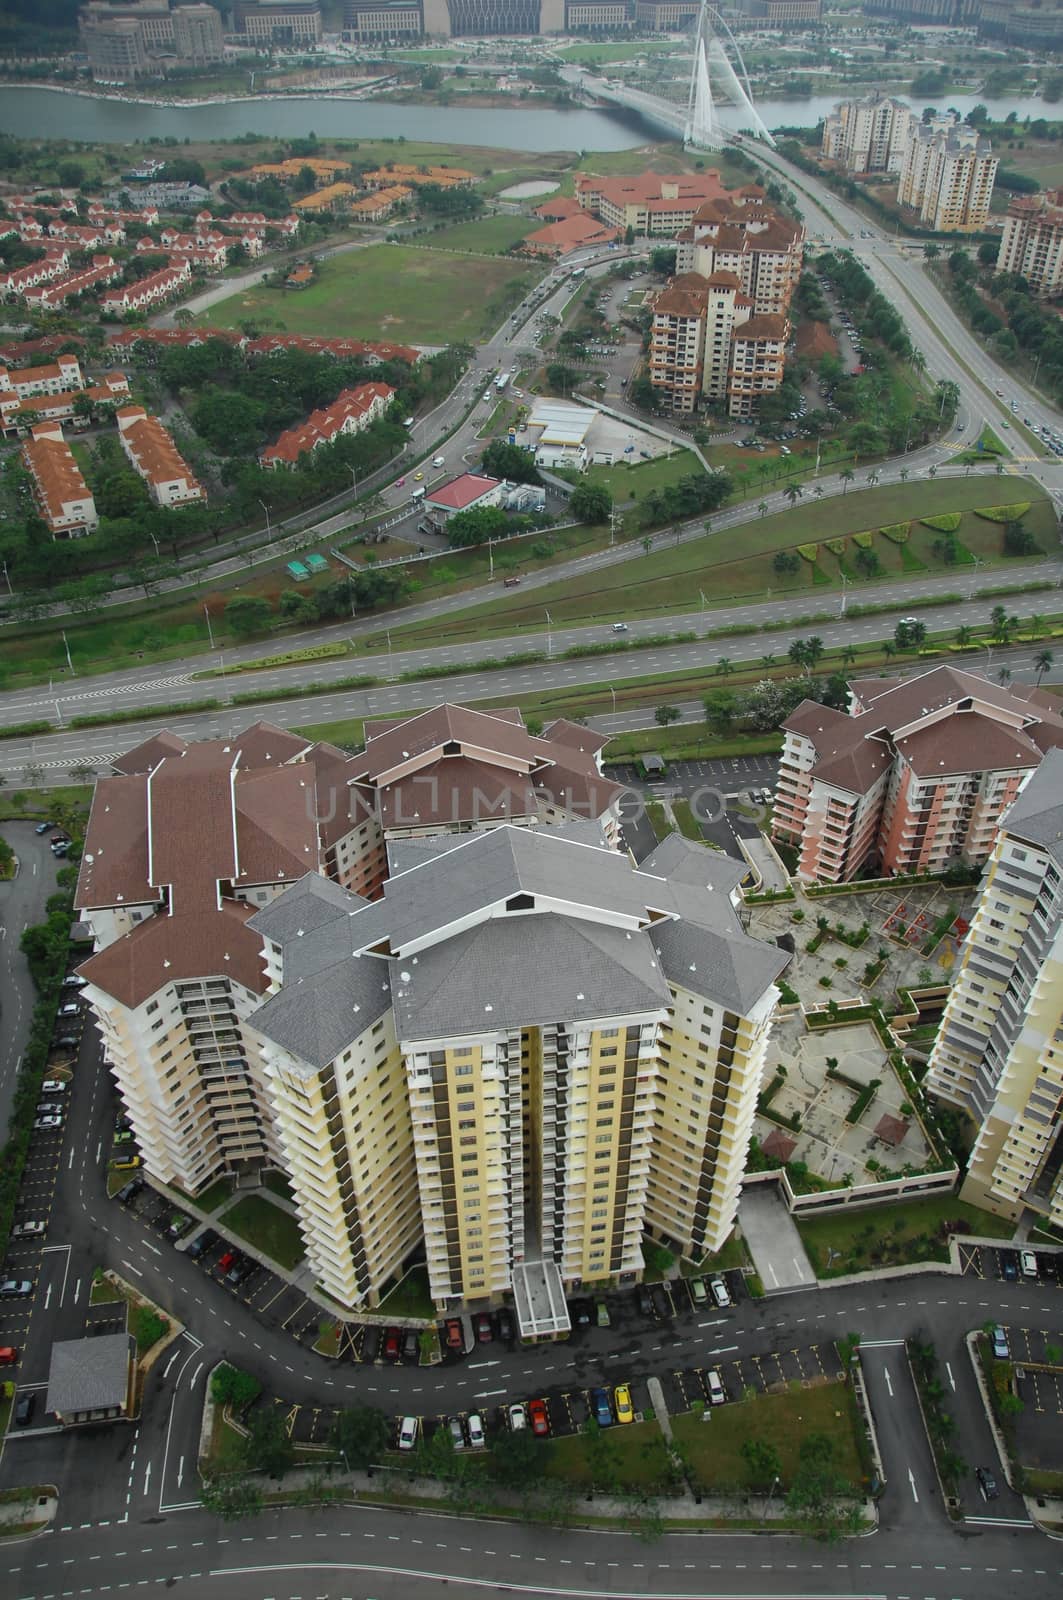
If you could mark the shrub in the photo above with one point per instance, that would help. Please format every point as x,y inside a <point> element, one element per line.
<point>836,546</point>
<point>946,522</point>
<point>1003,513</point>
<point>810,552</point>
<point>863,540</point>
<point>230,1386</point>
<point>896,532</point>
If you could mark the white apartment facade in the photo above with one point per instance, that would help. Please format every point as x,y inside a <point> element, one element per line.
<point>947,177</point>
<point>870,134</point>
<point>1031,243</point>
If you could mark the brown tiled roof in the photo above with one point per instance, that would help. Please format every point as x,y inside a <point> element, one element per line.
<point>968,741</point>
<point>685,296</point>
<point>114,865</point>
<point>723,280</point>
<point>456,790</point>
<point>769,325</point>
<point>562,731</point>
<point>147,755</point>
<point>263,744</point>
<point>778,1145</point>
<point>276,831</point>
<point>430,729</point>
<point>891,1130</point>
<point>164,949</point>
<point>578,787</point>
<point>154,453</point>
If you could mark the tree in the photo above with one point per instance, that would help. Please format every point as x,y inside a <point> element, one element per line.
<point>762,507</point>
<point>268,1447</point>
<point>964,634</point>
<point>361,1434</point>
<point>794,492</point>
<point>763,1462</point>
<point>818,1493</point>
<point>246,615</point>
<point>846,475</point>
<point>868,563</point>
<point>517,1459</point>
<point>509,461</point>
<point>590,503</point>
<point>720,710</point>
<point>229,1386</point>
<point>231,1497</point>
<point>666,714</point>
<point>1044,662</point>
<point>909,635</point>
<point>724,667</point>
<point>1018,540</point>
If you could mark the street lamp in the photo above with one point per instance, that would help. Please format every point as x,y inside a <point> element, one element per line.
<point>974,577</point>
<point>265,508</point>
<point>210,630</point>
<point>845,585</point>
<point>771,1492</point>
<point>549,638</point>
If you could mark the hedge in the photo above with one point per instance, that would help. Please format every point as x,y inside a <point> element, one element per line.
<point>25,730</point>
<point>863,540</point>
<point>945,522</point>
<point>810,552</point>
<point>102,719</point>
<point>1003,513</point>
<point>297,691</point>
<point>896,532</point>
<point>287,658</point>
<point>836,546</point>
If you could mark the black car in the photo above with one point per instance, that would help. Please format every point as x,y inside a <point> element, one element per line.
<point>1009,1266</point>
<point>644,1300</point>
<point>581,1312</point>
<point>371,1343</point>
<point>239,1272</point>
<point>25,1406</point>
<point>505,1325</point>
<point>130,1190</point>
<point>411,1345</point>
<point>43,827</point>
<point>987,1483</point>
<point>202,1243</point>
<point>661,1301</point>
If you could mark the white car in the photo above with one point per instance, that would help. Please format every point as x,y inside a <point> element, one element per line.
<point>29,1230</point>
<point>1028,1264</point>
<point>518,1418</point>
<point>714,1384</point>
<point>51,1122</point>
<point>408,1430</point>
<point>54,1086</point>
<point>720,1293</point>
<point>475,1426</point>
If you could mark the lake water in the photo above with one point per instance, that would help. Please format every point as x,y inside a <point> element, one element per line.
<point>49,114</point>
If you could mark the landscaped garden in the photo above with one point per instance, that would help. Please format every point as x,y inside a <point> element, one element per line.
<point>264,1225</point>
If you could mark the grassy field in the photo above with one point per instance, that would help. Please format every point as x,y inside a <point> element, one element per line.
<point>911,1227</point>
<point>670,577</point>
<point>410,1297</point>
<point>632,483</point>
<point>489,236</point>
<point>714,1449</point>
<point>215,1195</point>
<point>420,296</point>
<point>619,51</point>
<point>635,1453</point>
<point>268,1228</point>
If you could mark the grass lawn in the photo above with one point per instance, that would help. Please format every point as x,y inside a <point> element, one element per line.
<point>226,1445</point>
<point>636,1453</point>
<point>686,821</point>
<point>277,1183</point>
<point>621,51</point>
<point>274,1232</point>
<point>410,1297</point>
<point>389,291</point>
<point>907,1231</point>
<point>671,575</point>
<point>215,1194</point>
<point>732,1257</point>
<point>714,1448</point>
<point>488,236</point>
<point>641,478</point>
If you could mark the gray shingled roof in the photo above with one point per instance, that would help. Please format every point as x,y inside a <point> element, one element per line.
<point>1036,814</point>
<point>311,903</point>
<point>725,967</point>
<point>523,973</point>
<point>315,1018</point>
<point>89,1374</point>
<point>685,861</point>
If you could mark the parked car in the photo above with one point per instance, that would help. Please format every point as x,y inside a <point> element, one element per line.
<point>65,1041</point>
<point>625,1411</point>
<point>49,1123</point>
<point>240,1272</point>
<point>644,1300</point>
<point>54,1086</point>
<point>72,981</point>
<point>408,1430</point>
<point>455,1334</point>
<point>42,827</point>
<point>124,1136</point>
<point>70,1009</point>
<point>1001,1351</point>
<point>662,1303</point>
<point>581,1313</point>
<point>370,1343</point>
<point>720,1293</point>
<point>601,1314</point>
<point>484,1331</point>
<point>25,1406</point>
<point>987,1483</point>
<point>16,1288</point>
<point>1028,1264</point>
<point>180,1223</point>
<point>202,1243</point>
<point>540,1418</point>
<point>411,1345</point>
<point>698,1292</point>
<point>506,1328</point>
<point>130,1190</point>
<point>517,1417</point>
<point>8,1355</point>
<point>226,1261</point>
<point>475,1424</point>
<point>392,1344</point>
<point>29,1230</point>
<point>456,1429</point>
<point>601,1410</point>
<point>127,1164</point>
<point>714,1384</point>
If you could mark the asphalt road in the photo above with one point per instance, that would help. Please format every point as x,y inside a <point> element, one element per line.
<point>22,903</point>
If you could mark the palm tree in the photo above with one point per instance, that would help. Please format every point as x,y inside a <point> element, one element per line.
<point>889,649</point>
<point>905,474</point>
<point>933,472</point>
<point>872,477</point>
<point>768,660</point>
<point>818,491</point>
<point>813,649</point>
<point>1036,624</point>
<point>794,492</point>
<point>848,656</point>
<point>1004,676</point>
<point>724,667</point>
<point>846,475</point>
<point>1043,661</point>
<point>763,508</point>
<point>963,634</point>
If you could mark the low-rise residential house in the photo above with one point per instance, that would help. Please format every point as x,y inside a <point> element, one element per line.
<point>104,269</point>
<point>87,236</point>
<point>465,493</point>
<point>63,373</point>
<point>62,495</point>
<point>149,291</point>
<point>381,203</point>
<point>334,197</point>
<point>571,233</point>
<point>350,412</point>
<point>14,284</point>
<point>153,454</point>
<point>404,172</point>
<point>16,414</point>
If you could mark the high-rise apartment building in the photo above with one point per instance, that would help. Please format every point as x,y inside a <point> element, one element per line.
<point>947,177</point>
<point>870,134</point>
<point>916,774</point>
<point>999,1051</point>
<point>521,1054</point>
<point>1032,241</point>
<point>741,232</point>
<point>708,344</point>
<point>126,39</point>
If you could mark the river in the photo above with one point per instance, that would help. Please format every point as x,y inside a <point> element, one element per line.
<point>52,115</point>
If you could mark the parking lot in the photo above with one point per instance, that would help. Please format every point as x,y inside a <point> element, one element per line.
<point>1001,1264</point>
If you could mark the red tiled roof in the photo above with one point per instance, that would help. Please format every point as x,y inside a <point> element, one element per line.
<point>462,492</point>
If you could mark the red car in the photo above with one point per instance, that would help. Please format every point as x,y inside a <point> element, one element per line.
<point>227,1260</point>
<point>484,1330</point>
<point>392,1344</point>
<point>540,1418</point>
<point>8,1355</point>
<point>455,1335</point>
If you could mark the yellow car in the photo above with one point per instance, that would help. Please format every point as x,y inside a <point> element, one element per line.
<point>622,1403</point>
<point>417,477</point>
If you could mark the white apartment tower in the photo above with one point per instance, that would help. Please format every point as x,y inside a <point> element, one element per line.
<point>999,1051</point>
<point>869,134</point>
<point>948,176</point>
<point>1032,241</point>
